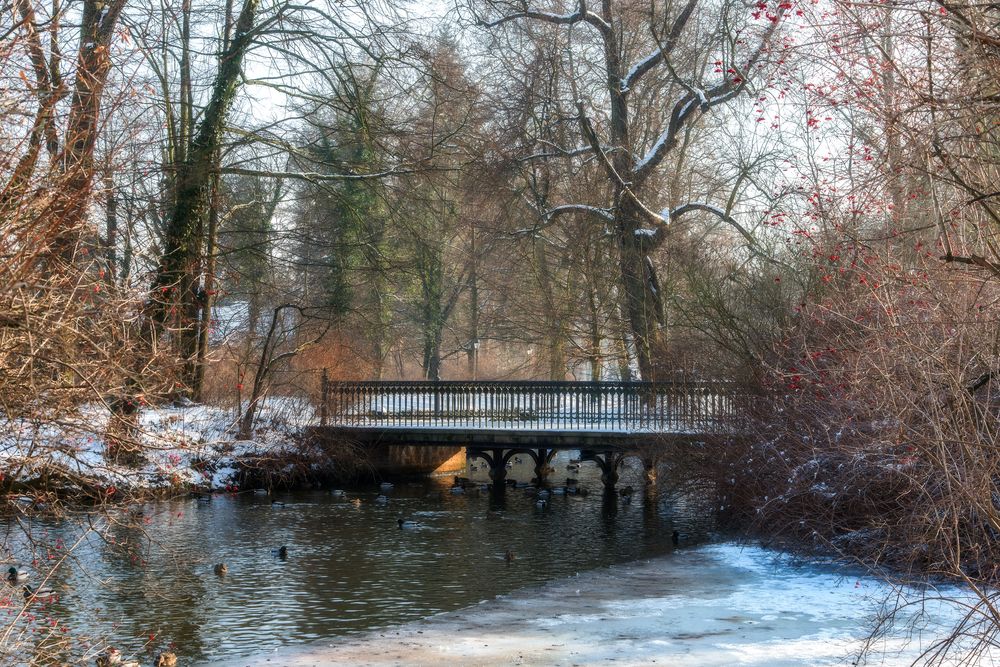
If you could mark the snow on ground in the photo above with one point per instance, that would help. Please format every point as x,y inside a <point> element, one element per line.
<point>713,605</point>
<point>184,446</point>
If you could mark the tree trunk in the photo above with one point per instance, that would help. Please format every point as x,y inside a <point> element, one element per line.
<point>208,296</point>
<point>594,354</point>
<point>174,289</point>
<point>643,305</point>
<point>43,126</point>
<point>111,235</point>
<point>557,355</point>
<point>473,350</point>
<point>97,26</point>
<point>432,354</point>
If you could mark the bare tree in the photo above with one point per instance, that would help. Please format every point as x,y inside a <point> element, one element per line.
<point>637,78</point>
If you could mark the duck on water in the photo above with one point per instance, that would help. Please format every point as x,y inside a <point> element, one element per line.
<point>41,592</point>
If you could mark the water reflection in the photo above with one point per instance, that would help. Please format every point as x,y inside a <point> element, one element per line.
<point>349,568</point>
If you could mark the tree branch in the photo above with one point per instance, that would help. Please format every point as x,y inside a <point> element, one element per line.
<point>686,106</point>
<point>664,49</point>
<point>591,136</point>
<point>581,15</point>
<point>973,260</point>
<point>316,177</point>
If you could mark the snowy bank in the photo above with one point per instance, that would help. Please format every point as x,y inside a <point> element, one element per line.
<point>183,447</point>
<point>712,605</point>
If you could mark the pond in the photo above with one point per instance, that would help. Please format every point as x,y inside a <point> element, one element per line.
<point>349,567</point>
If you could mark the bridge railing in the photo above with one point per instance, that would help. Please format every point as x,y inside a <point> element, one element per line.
<point>532,405</point>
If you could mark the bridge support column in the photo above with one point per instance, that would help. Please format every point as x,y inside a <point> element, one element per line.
<point>542,459</point>
<point>497,462</point>
<point>649,467</point>
<point>608,462</point>
<point>498,468</point>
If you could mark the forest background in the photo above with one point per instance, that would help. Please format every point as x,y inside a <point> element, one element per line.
<point>213,201</point>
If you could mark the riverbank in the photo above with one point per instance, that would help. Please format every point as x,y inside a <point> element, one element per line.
<point>713,605</point>
<point>183,447</point>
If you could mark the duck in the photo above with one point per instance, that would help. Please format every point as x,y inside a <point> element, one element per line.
<point>540,503</point>
<point>517,460</point>
<point>40,592</point>
<point>277,503</point>
<point>109,658</point>
<point>337,493</point>
<point>381,500</point>
<point>16,575</point>
<point>627,499</point>
<point>509,556</point>
<point>260,492</point>
<point>167,659</point>
<point>281,552</point>
<point>221,569</point>
<point>113,658</point>
<point>407,525</point>
<point>573,467</point>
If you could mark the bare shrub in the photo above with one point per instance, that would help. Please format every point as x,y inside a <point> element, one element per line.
<point>877,428</point>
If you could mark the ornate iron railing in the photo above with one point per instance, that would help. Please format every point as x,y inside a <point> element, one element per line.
<point>533,405</point>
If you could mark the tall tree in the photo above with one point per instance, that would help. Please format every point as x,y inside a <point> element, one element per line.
<point>438,206</point>
<point>638,76</point>
<point>342,239</point>
<point>176,291</point>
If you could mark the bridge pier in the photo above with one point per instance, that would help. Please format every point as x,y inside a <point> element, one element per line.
<point>497,460</point>
<point>649,467</point>
<point>608,462</point>
<point>542,459</point>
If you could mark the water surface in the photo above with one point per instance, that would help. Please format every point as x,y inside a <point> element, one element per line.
<point>349,569</point>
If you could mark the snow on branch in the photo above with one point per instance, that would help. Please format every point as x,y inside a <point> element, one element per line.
<point>581,15</point>
<point>603,213</point>
<point>728,219</point>
<point>716,211</point>
<point>664,48</point>
<point>683,108</point>
<point>696,98</point>
<point>558,151</point>
<point>549,216</point>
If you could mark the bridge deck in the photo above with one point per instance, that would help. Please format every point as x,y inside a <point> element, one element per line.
<point>511,438</point>
<point>544,414</point>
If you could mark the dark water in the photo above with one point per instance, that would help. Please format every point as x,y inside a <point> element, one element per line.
<point>349,569</point>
